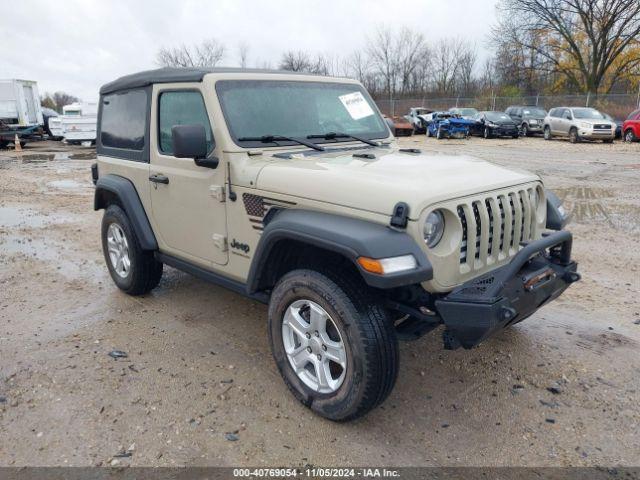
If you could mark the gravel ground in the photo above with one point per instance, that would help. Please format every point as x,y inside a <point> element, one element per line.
<point>559,389</point>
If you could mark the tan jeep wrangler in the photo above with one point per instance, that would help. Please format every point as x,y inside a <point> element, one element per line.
<point>290,189</point>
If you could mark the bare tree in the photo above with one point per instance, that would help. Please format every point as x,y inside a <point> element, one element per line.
<point>380,50</point>
<point>243,54</point>
<point>445,65</point>
<point>396,57</point>
<point>300,61</point>
<point>206,54</point>
<point>590,43</point>
<point>412,55</point>
<point>62,98</point>
<point>466,61</point>
<point>295,61</point>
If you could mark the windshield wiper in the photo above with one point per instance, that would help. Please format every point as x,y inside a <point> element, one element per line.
<point>277,138</point>
<point>334,135</point>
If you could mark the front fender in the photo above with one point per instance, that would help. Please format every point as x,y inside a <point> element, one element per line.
<point>349,237</point>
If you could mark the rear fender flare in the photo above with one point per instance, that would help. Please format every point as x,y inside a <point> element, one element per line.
<point>110,186</point>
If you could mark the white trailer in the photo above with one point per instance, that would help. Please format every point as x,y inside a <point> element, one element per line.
<point>20,103</point>
<point>56,128</point>
<point>79,122</point>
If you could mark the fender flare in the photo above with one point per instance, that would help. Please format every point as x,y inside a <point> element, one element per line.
<point>127,195</point>
<point>346,236</point>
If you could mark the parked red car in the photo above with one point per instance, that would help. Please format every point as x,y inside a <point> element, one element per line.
<point>631,127</point>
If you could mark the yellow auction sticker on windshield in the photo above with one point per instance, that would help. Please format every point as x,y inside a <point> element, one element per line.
<point>356,105</point>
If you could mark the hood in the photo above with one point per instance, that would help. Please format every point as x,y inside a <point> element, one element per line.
<point>377,184</point>
<point>596,121</point>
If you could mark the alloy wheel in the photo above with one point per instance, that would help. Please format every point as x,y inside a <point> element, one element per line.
<point>314,346</point>
<point>118,248</point>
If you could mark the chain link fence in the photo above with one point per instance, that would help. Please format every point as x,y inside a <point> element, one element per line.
<point>618,106</point>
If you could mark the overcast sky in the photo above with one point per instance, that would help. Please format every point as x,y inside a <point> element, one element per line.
<point>78,45</point>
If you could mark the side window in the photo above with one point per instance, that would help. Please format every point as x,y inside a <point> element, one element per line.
<point>552,112</point>
<point>181,108</point>
<point>123,120</point>
<point>635,115</point>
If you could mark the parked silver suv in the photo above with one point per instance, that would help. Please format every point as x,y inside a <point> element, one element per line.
<point>578,123</point>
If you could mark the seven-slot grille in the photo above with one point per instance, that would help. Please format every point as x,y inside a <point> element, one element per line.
<point>494,226</point>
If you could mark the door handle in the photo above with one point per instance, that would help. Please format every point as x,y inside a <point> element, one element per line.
<point>156,178</point>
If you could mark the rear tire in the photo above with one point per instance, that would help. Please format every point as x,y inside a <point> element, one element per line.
<point>134,271</point>
<point>439,134</point>
<point>360,326</point>
<point>428,132</point>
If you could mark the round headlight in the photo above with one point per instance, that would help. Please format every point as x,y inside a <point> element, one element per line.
<point>433,228</point>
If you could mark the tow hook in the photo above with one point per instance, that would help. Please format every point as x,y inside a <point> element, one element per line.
<point>571,277</point>
<point>507,313</point>
<point>538,278</point>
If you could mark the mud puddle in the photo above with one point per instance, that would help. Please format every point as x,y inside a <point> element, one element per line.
<point>68,185</point>
<point>21,217</point>
<point>50,252</point>
<point>69,160</point>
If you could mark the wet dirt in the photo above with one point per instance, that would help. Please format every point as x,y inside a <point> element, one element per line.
<point>198,363</point>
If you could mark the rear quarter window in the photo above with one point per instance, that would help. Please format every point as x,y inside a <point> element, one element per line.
<point>123,120</point>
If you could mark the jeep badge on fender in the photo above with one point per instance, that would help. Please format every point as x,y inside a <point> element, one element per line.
<point>240,246</point>
<point>352,242</point>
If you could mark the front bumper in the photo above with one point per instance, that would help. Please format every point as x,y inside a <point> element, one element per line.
<point>538,274</point>
<point>596,134</point>
<point>504,131</point>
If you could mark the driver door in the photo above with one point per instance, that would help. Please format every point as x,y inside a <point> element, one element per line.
<point>187,201</point>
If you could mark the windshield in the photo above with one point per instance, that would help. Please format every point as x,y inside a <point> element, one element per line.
<point>587,113</point>
<point>257,108</point>
<point>497,116</point>
<point>535,112</point>
<point>466,112</point>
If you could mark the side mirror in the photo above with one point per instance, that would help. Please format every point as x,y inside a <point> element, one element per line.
<point>190,141</point>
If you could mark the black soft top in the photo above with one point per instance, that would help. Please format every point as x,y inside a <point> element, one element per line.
<point>175,75</point>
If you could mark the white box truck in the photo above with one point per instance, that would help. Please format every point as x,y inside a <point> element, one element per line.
<point>20,111</point>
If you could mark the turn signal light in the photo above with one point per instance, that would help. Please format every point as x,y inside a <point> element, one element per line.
<point>386,266</point>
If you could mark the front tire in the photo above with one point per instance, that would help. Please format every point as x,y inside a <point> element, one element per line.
<point>439,134</point>
<point>573,136</point>
<point>134,271</point>
<point>547,133</point>
<point>334,345</point>
<point>487,133</point>
<point>525,130</point>
<point>629,136</point>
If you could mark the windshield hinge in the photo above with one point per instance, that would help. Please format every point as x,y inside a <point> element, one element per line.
<point>217,191</point>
